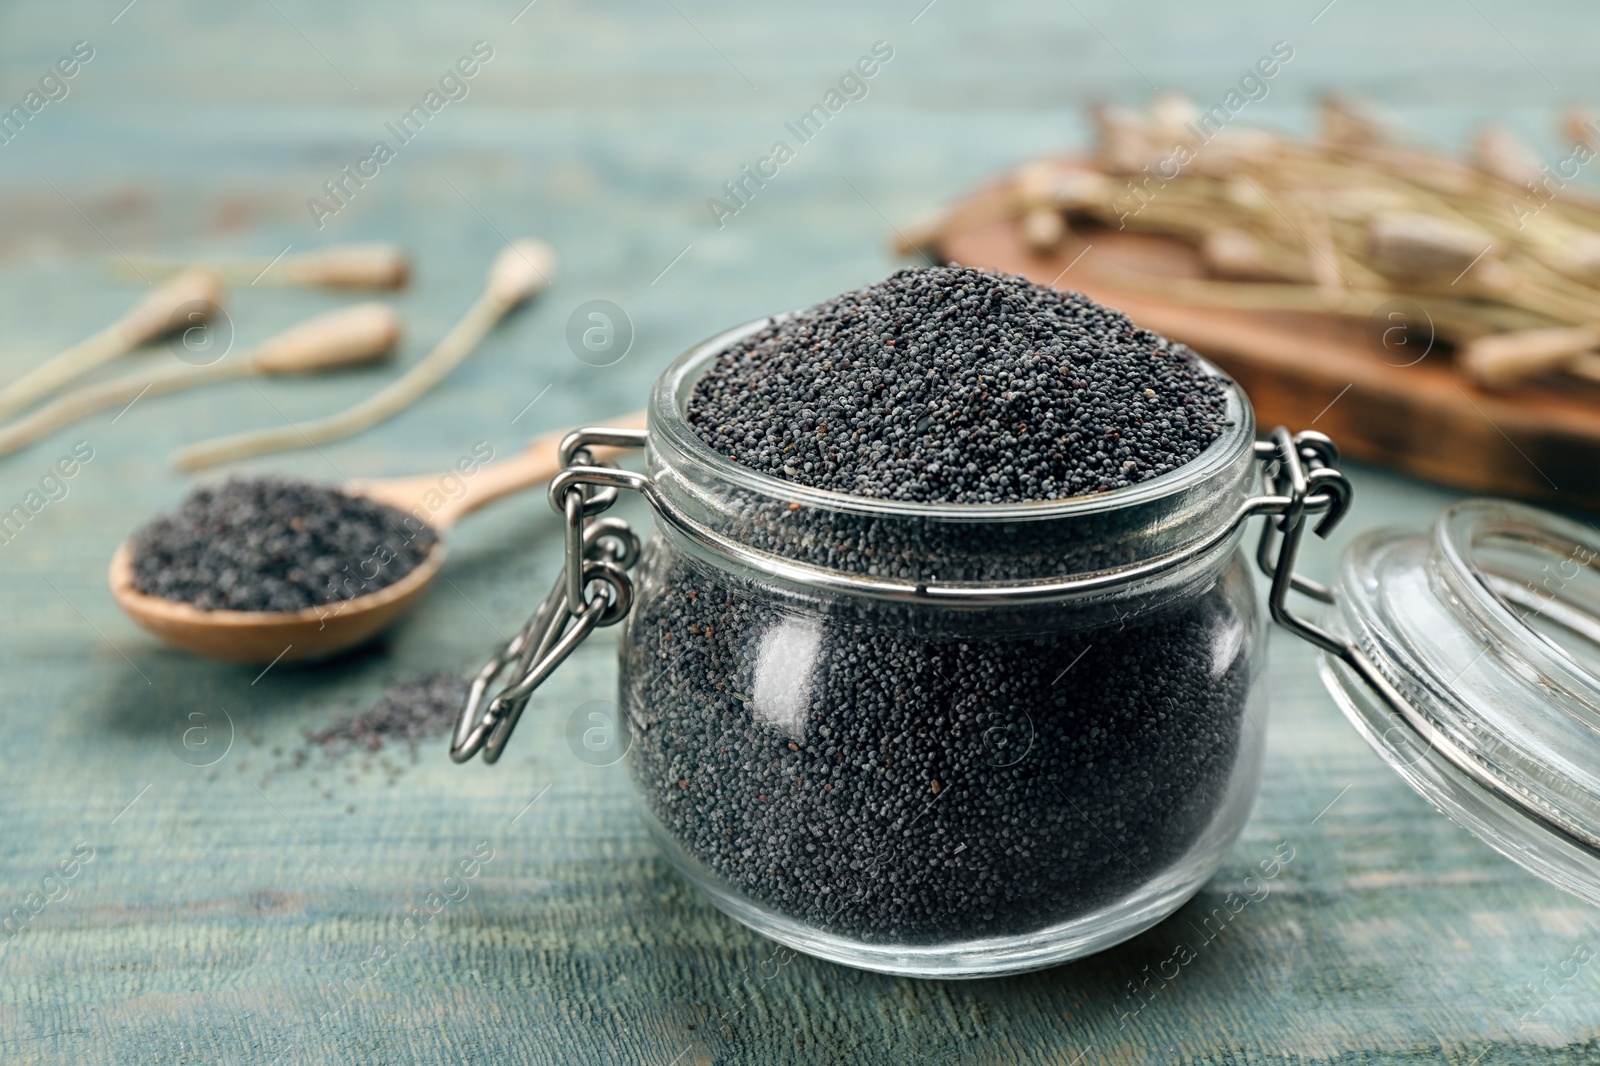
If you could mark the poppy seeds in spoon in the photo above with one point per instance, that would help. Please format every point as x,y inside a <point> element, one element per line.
<point>271,544</point>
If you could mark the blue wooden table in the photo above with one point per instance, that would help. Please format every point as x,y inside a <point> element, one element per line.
<point>240,909</point>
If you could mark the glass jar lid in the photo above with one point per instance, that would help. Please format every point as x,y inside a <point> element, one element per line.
<point>1471,663</point>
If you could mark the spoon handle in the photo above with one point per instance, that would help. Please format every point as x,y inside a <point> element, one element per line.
<point>428,495</point>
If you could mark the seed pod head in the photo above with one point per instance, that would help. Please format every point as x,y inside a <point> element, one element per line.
<point>1582,126</point>
<point>1502,359</point>
<point>1357,203</point>
<point>1579,254</point>
<point>1125,141</point>
<point>1233,148</point>
<point>348,336</point>
<point>1068,188</point>
<point>1501,154</point>
<point>1043,228</point>
<point>1350,121</point>
<point>182,301</point>
<point>1417,247</point>
<point>1234,254</point>
<point>521,271</point>
<point>1170,115</point>
<point>350,266</point>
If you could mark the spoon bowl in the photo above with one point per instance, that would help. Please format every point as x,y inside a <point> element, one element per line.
<point>327,629</point>
<point>270,636</point>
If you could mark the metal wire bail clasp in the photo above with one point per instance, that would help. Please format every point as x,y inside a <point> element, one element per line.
<point>1302,481</point>
<point>594,590</point>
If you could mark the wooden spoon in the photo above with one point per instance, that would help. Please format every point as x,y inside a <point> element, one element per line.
<point>317,632</point>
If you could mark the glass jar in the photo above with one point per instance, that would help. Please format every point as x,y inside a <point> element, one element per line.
<point>913,737</point>
<point>963,740</point>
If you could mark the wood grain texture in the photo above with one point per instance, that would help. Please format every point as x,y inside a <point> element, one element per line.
<point>226,905</point>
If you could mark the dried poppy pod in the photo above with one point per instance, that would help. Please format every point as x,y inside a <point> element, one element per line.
<point>1358,203</point>
<point>1501,154</point>
<point>1171,116</point>
<point>1070,188</point>
<point>1578,254</point>
<point>1043,191</point>
<point>1125,141</point>
<point>1416,247</point>
<point>1239,256</point>
<point>1351,121</point>
<point>1502,359</point>
<point>1233,148</point>
<point>1581,125</point>
<point>1043,228</point>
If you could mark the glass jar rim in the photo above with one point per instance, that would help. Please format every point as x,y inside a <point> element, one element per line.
<point>668,419</point>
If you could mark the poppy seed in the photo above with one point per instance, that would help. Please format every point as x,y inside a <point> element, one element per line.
<point>270,544</point>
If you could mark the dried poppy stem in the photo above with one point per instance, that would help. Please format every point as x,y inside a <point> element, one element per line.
<point>520,272</point>
<point>346,337</point>
<point>184,301</point>
<point>1484,242</point>
<point>342,266</point>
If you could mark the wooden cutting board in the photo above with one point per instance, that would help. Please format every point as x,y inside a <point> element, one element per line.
<point>1343,376</point>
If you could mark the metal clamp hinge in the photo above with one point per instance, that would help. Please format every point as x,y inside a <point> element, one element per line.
<point>1300,473</point>
<point>594,590</point>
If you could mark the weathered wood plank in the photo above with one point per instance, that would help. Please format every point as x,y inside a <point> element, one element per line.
<point>226,905</point>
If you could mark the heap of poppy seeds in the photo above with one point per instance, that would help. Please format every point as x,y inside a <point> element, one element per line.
<point>270,544</point>
<point>909,773</point>
<point>954,385</point>
<point>409,712</point>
